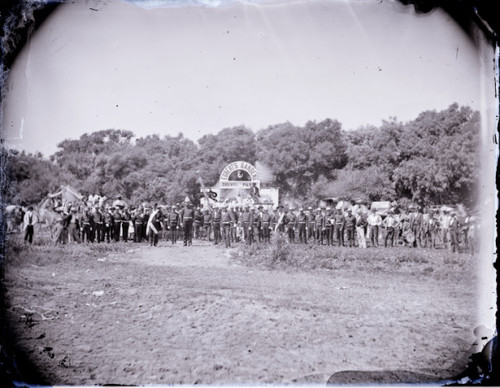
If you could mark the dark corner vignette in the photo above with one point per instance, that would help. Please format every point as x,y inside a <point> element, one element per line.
<point>20,19</point>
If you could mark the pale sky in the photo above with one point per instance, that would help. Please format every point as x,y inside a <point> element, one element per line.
<point>198,69</point>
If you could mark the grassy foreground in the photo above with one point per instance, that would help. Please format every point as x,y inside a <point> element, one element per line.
<point>133,314</point>
<point>439,264</point>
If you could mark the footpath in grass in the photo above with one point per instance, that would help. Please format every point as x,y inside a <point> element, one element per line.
<point>130,314</point>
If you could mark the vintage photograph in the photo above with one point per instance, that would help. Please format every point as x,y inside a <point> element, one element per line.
<point>260,192</point>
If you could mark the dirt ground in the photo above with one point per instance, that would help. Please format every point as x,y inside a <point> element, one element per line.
<point>139,315</point>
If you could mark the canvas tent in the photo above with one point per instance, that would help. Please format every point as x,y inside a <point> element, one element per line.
<point>381,207</point>
<point>68,195</point>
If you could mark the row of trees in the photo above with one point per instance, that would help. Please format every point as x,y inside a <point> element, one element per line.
<point>433,158</point>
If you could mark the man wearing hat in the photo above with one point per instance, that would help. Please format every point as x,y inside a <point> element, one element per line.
<point>207,225</point>
<point>389,224</point>
<point>87,225</point>
<point>126,220</point>
<point>302,226</point>
<point>117,224</point>
<point>107,224</point>
<point>279,217</point>
<point>319,226</point>
<point>173,223</point>
<point>119,203</point>
<point>454,227</point>
<point>415,225</point>
<point>425,233</point>
<point>216,225</point>
<point>60,233</point>
<point>291,224</point>
<point>198,222</point>
<point>374,222</point>
<point>265,225</point>
<point>154,225</point>
<point>310,224</point>
<point>187,219</point>
<point>226,221</point>
<point>29,220</point>
<point>234,225</point>
<point>72,224</point>
<point>350,224</point>
<point>338,227</point>
<point>247,225</point>
<point>361,224</point>
<point>444,221</point>
<point>98,223</point>
<point>329,224</point>
<point>137,221</point>
<point>256,225</point>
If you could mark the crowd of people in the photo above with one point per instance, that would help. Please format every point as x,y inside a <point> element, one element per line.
<point>413,226</point>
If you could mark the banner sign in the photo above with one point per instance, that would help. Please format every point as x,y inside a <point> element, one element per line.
<point>235,166</point>
<point>235,185</point>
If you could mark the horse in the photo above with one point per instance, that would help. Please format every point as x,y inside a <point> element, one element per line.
<point>14,218</point>
<point>46,214</point>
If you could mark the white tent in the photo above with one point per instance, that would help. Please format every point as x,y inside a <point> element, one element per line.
<point>381,207</point>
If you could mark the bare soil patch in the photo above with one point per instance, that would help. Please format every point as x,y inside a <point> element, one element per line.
<point>134,314</point>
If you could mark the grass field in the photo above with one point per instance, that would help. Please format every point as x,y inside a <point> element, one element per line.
<point>134,314</point>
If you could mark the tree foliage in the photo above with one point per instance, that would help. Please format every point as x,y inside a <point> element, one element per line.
<point>299,156</point>
<point>430,159</point>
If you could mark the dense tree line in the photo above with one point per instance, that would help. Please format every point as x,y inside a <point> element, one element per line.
<point>433,158</point>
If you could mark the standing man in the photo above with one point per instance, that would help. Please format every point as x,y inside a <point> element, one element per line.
<point>444,221</point>
<point>310,224</point>
<point>454,228</point>
<point>99,224</point>
<point>29,220</point>
<point>198,223</point>
<point>279,220</point>
<point>361,224</point>
<point>226,221</point>
<point>117,224</point>
<point>119,203</point>
<point>302,225</point>
<point>187,219</point>
<point>434,228</point>
<point>86,225</point>
<point>424,228</point>
<point>137,222</point>
<point>415,224</point>
<point>145,218</point>
<point>329,226</point>
<point>247,224</point>
<point>234,217</point>
<point>389,224</point>
<point>374,222</point>
<point>350,223</point>
<point>72,224</point>
<point>255,226</point>
<point>216,221</point>
<point>107,233</point>
<point>154,225</point>
<point>338,227</point>
<point>173,223</point>
<point>292,225</point>
<point>207,225</point>
<point>319,226</point>
<point>126,218</point>
<point>265,225</point>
